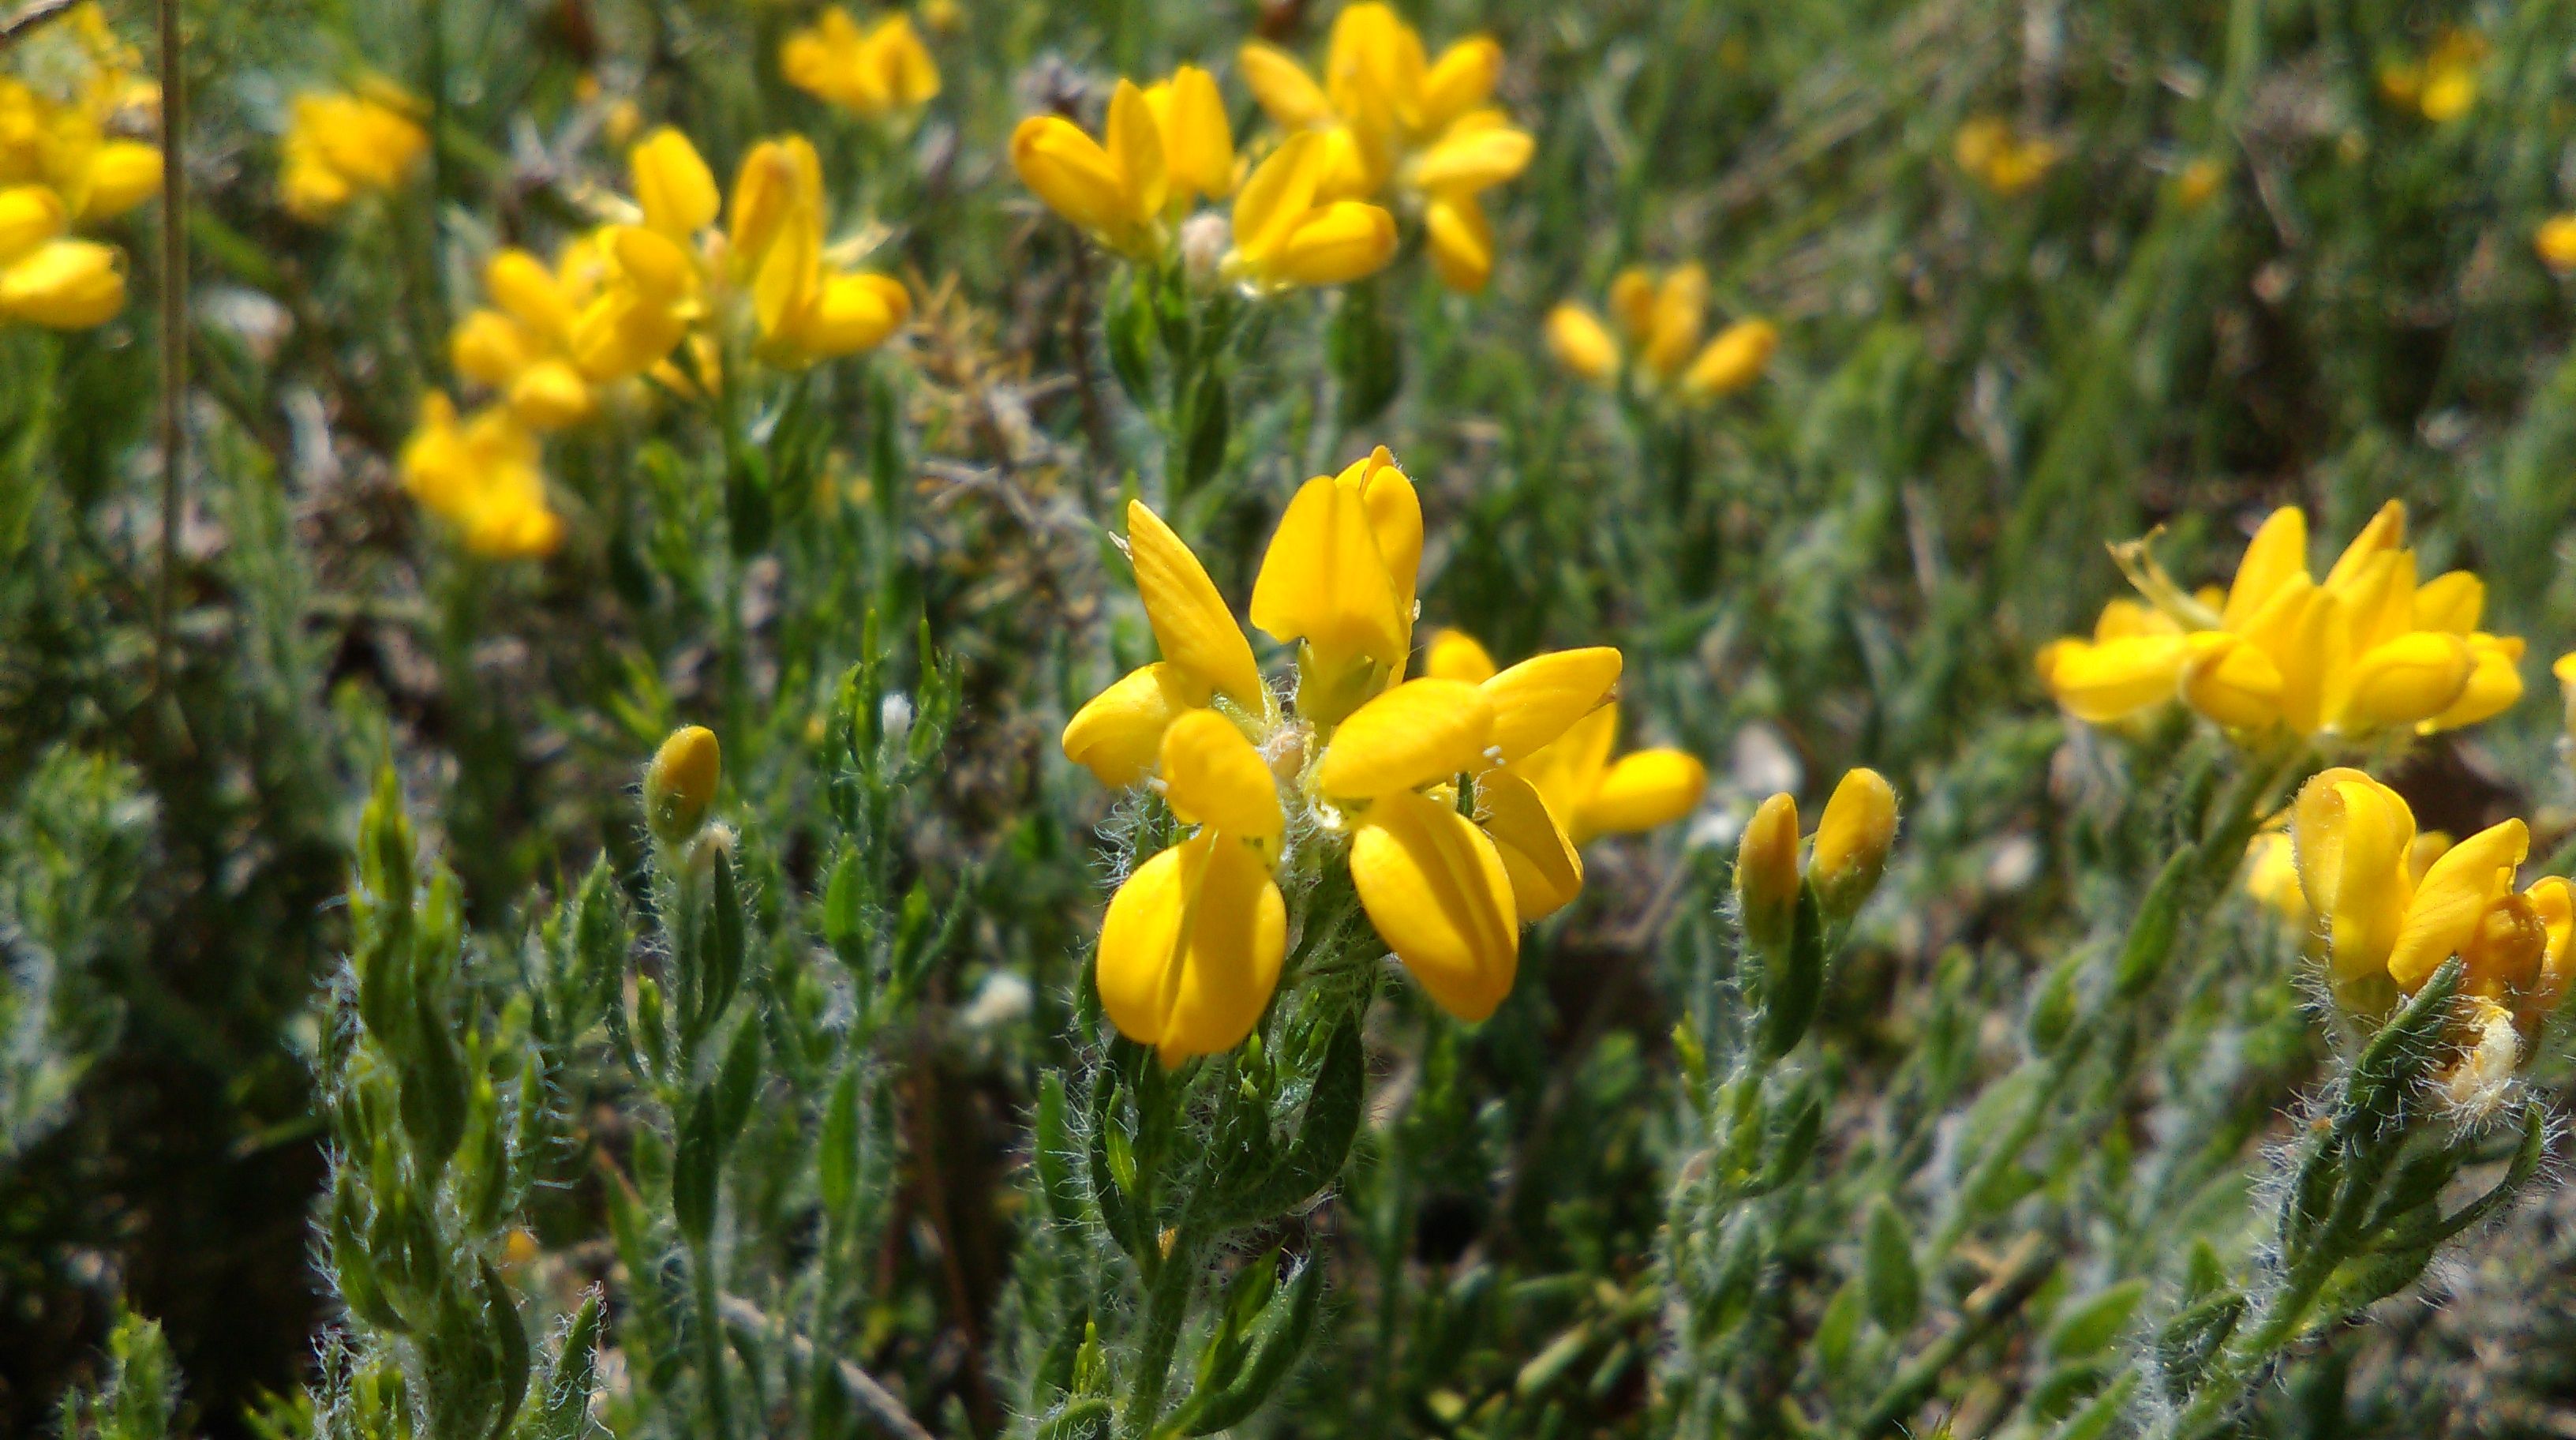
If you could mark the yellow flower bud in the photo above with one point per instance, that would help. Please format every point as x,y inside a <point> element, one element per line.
<point>680,784</point>
<point>1852,842</point>
<point>1766,875</point>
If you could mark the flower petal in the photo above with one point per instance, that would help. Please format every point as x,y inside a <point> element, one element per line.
<point>1645,790</point>
<point>1540,698</point>
<point>2351,836</point>
<point>1189,617</point>
<point>1191,948</point>
<point>2453,898</point>
<point>1455,655</point>
<point>2278,551</point>
<point>1213,776</point>
<point>1545,871</point>
<point>1438,893</point>
<point>1419,733</point>
<point>1324,581</point>
<point>1118,736</point>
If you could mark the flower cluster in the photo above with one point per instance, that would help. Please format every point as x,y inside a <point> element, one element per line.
<point>616,304</point>
<point>1168,147</point>
<point>2001,158</point>
<point>880,72</point>
<point>1402,126</point>
<point>1424,788</point>
<point>64,163</point>
<point>2366,650</point>
<point>2391,917</point>
<point>1661,320</point>
<point>340,145</point>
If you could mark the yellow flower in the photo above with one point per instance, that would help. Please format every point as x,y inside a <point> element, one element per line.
<point>2443,85</point>
<point>2390,924</point>
<point>60,168</point>
<point>1661,319</point>
<point>2001,158</point>
<point>806,311</point>
<point>2200,181</point>
<point>2365,650</point>
<point>1398,123</point>
<point>1286,234</point>
<point>340,145</point>
<point>1585,790</point>
<point>884,70</point>
<point>1421,787</point>
<point>481,476</point>
<point>2555,241</point>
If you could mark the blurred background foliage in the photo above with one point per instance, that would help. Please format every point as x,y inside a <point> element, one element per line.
<point>2255,274</point>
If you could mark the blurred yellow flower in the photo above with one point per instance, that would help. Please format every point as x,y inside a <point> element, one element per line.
<point>1286,233</point>
<point>1165,150</point>
<point>2200,182</point>
<point>2564,669</point>
<point>1661,320</point>
<point>2444,83</point>
<point>62,166</point>
<point>883,70</point>
<point>1421,787</point>
<point>1587,792</point>
<point>1399,123</point>
<point>341,145</point>
<point>2555,242</point>
<point>805,309</point>
<point>481,476</point>
<point>2366,650</point>
<point>2001,158</point>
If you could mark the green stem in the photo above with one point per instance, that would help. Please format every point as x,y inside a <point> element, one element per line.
<point>711,1375</point>
<point>1166,1307</point>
